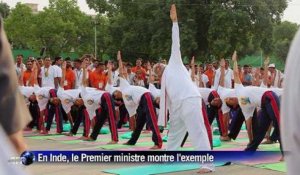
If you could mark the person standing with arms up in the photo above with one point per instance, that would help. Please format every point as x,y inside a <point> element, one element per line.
<point>180,95</point>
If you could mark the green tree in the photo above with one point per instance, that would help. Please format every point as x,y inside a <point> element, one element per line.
<point>4,9</point>
<point>19,26</point>
<point>282,36</point>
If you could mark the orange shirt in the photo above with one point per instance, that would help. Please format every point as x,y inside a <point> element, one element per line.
<point>210,74</point>
<point>69,79</point>
<point>26,78</point>
<point>135,69</point>
<point>98,80</point>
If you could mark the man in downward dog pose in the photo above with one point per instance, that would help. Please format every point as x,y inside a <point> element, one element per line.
<point>249,99</point>
<point>68,99</point>
<point>138,101</point>
<point>99,103</point>
<point>182,98</point>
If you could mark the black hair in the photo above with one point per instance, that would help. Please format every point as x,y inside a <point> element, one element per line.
<point>68,59</point>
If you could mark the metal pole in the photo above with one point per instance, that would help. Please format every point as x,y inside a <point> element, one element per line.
<point>95,40</point>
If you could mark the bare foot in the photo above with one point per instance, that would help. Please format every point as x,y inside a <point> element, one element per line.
<point>281,159</point>
<point>155,147</point>
<point>44,132</point>
<point>112,142</point>
<point>204,171</point>
<point>225,138</point>
<point>83,138</point>
<point>69,134</point>
<point>268,141</point>
<point>89,139</point>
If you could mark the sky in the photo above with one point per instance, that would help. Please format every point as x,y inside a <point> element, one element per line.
<point>292,13</point>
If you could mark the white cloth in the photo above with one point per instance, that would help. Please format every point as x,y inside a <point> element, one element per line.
<point>68,97</point>
<point>111,89</point>
<point>227,79</point>
<point>225,93</point>
<point>78,77</point>
<point>204,79</point>
<point>205,93</point>
<point>290,110</point>
<point>154,91</point>
<point>250,97</point>
<point>278,78</point>
<point>58,71</point>
<point>26,91</point>
<point>42,96</point>
<point>131,95</point>
<point>92,100</point>
<point>176,83</point>
<point>185,102</point>
<point>7,152</point>
<point>48,80</point>
<point>18,69</point>
<point>115,78</point>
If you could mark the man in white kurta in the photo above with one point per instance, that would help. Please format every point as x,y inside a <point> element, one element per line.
<point>181,97</point>
<point>290,121</point>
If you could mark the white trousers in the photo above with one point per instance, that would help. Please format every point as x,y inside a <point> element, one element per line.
<point>187,116</point>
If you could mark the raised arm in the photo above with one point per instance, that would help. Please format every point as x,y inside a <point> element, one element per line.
<point>151,77</point>
<point>121,70</point>
<point>222,76</point>
<point>266,76</point>
<point>235,69</point>
<point>84,73</point>
<point>109,73</point>
<point>63,77</point>
<point>193,68</point>
<point>175,53</point>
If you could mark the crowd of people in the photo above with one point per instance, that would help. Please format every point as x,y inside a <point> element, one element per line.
<point>188,96</point>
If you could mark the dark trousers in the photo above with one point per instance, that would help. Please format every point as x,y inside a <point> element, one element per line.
<point>123,115</point>
<point>35,114</point>
<point>269,113</point>
<point>207,124</point>
<point>215,113</point>
<point>81,115</point>
<point>106,110</point>
<point>51,111</point>
<point>146,113</point>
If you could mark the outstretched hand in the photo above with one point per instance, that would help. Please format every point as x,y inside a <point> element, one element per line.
<point>173,13</point>
<point>119,56</point>
<point>193,60</point>
<point>222,62</point>
<point>84,64</point>
<point>64,65</point>
<point>234,56</point>
<point>267,61</point>
<point>109,66</point>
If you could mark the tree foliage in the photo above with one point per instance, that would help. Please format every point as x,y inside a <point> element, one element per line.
<point>4,9</point>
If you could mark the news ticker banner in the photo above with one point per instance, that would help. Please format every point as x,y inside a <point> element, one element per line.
<point>30,157</point>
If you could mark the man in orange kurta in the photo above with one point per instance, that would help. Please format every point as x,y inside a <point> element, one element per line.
<point>98,77</point>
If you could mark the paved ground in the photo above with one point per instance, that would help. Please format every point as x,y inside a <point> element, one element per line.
<point>96,169</point>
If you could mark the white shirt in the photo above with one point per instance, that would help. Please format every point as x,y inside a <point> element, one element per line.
<point>48,81</point>
<point>250,97</point>
<point>290,109</point>
<point>42,96</point>
<point>225,93</point>
<point>58,71</point>
<point>26,91</point>
<point>205,93</point>
<point>67,97</point>
<point>18,69</point>
<point>176,83</point>
<point>227,79</point>
<point>204,79</point>
<point>131,95</point>
<point>115,77</point>
<point>111,89</point>
<point>91,99</point>
<point>154,91</point>
<point>78,77</point>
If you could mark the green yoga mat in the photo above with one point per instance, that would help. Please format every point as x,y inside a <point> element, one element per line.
<point>156,169</point>
<point>273,166</point>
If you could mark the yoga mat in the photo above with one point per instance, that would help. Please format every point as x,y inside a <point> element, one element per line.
<point>123,130</point>
<point>45,137</point>
<point>155,169</point>
<point>281,166</point>
<point>264,160</point>
<point>63,138</point>
<point>121,146</point>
